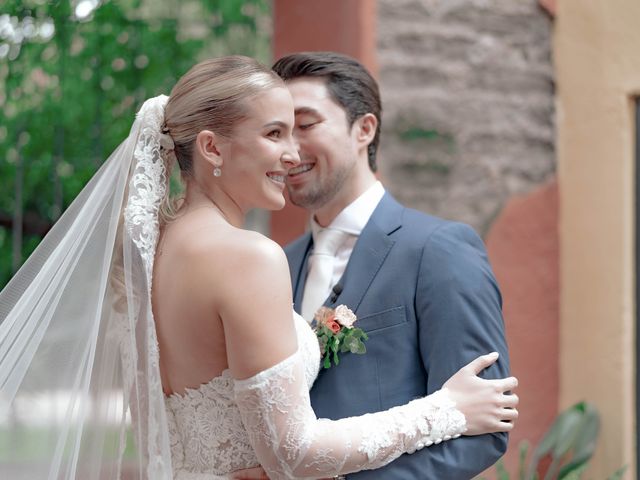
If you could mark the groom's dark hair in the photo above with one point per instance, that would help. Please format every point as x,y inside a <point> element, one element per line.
<point>348,83</point>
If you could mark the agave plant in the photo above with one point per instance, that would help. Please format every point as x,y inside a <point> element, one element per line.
<point>569,443</point>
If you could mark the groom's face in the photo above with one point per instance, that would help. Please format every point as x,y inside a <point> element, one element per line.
<point>327,146</point>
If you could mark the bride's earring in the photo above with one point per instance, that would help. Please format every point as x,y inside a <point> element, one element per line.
<point>217,171</point>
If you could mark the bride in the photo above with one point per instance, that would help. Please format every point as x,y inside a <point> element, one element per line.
<point>167,326</point>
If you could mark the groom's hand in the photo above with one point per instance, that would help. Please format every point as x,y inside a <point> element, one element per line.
<point>256,473</point>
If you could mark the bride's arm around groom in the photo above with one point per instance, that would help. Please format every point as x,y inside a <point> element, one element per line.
<point>272,394</point>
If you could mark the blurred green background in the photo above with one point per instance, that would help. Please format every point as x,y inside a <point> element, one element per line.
<point>73,74</point>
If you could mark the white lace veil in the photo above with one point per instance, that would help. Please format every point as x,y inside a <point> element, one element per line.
<point>80,392</point>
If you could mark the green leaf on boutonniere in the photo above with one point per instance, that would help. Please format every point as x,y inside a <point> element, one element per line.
<point>346,344</point>
<point>327,361</point>
<point>360,348</point>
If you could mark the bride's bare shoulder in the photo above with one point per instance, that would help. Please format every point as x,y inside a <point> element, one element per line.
<point>230,248</point>
<point>239,265</point>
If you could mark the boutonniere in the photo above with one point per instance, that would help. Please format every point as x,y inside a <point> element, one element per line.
<point>336,333</point>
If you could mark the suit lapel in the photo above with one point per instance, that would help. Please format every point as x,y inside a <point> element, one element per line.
<point>298,254</point>
<point>370,252</point>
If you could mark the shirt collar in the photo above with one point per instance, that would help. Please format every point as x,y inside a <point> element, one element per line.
<point>353,218</point>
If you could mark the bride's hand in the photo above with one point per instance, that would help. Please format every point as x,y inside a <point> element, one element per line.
<point>484,403</point>
<point>255,473</point>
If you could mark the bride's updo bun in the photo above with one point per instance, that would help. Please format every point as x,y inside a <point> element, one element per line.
<point>213,96</point>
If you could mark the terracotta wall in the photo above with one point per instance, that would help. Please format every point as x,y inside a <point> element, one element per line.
<point>523,249</point>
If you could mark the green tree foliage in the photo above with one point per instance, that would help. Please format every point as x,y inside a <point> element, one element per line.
<point>73,74</point>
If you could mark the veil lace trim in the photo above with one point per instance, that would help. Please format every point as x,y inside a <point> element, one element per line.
<point>147,189</point>
<point>149,181</point>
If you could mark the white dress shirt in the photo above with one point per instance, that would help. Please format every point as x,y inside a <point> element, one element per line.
<point>352,220</point>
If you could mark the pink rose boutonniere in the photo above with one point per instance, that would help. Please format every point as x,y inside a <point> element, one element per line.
<point>336,334</point>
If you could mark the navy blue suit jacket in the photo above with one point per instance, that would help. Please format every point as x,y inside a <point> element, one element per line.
<point>423,290</point>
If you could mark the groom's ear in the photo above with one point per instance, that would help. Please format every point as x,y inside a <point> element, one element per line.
<point>366,127</point>
<point>207,144</point>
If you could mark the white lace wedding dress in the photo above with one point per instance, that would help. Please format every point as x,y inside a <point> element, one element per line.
<point>207,435</point>
<point>226,425</point>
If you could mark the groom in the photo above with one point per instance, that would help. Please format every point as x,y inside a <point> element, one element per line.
<point>422,287</point>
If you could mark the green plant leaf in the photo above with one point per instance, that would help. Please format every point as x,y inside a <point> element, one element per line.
<point>585,441</point>
<point>553,468</point>
<point>574,473</point>
<point>617,475</point>
<point>567,432</point>
<point>559,438</point>
<point>501,471</point>
<point>562,436</point>
<point>589,431</point>
<point>522,459</point>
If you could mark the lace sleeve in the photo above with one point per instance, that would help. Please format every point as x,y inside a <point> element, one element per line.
<point>290,442</point>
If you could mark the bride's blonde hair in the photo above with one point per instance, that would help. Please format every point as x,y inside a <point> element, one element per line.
<point>212,95</point>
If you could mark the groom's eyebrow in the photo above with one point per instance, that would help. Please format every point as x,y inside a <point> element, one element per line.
<point>306,111</point>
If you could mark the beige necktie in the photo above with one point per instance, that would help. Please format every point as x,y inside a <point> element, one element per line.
<point>318,285</point>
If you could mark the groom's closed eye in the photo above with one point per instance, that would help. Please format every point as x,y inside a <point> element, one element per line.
<point>307,117</point>
<point>305,121</point>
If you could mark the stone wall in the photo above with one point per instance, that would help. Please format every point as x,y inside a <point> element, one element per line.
<point>468,91</point>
